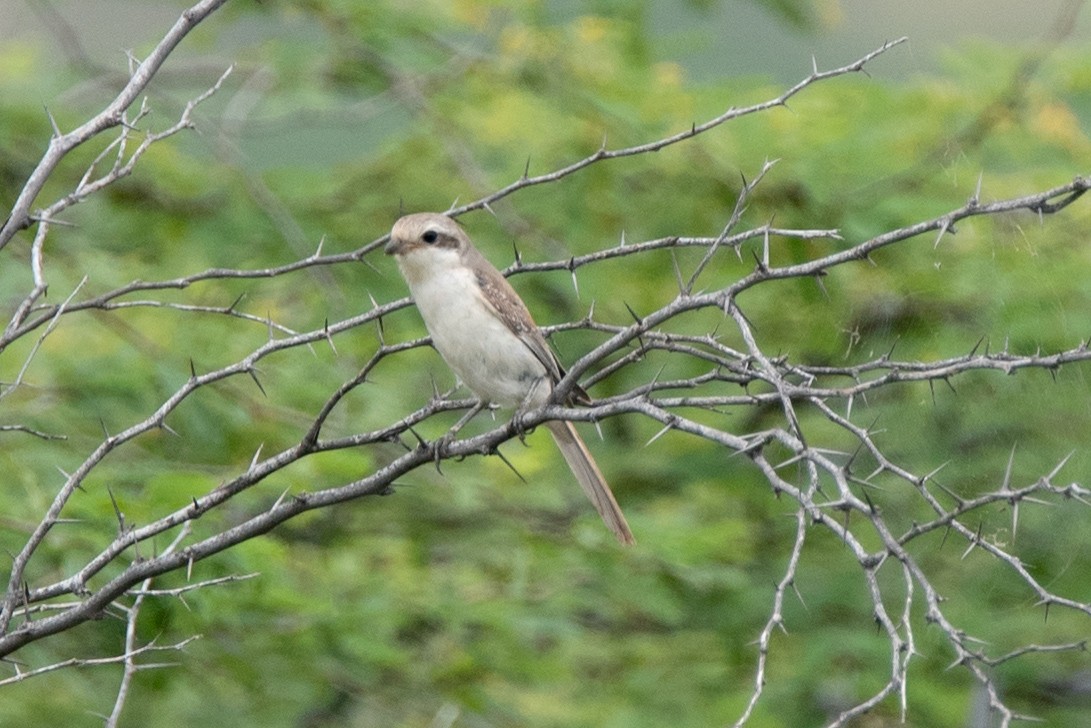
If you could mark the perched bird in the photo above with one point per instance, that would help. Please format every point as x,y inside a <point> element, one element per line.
<point>485,333</point>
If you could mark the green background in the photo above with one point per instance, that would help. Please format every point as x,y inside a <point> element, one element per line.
<point>470,598</point>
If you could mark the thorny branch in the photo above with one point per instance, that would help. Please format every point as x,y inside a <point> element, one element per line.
<point>824,488</point>
<point>20,217</point>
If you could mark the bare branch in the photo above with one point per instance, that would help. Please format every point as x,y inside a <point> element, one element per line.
<point>113,115</point>
<point>695,130</point>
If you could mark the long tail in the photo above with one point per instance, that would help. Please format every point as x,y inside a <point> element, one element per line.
<point>587,472</point>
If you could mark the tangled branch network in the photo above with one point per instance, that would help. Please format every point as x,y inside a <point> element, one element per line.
<point>834,491</point>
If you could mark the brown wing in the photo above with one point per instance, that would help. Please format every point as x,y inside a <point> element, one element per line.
<point>505,304</point>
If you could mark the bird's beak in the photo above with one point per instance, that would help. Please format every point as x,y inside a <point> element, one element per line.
<point>393,247</point>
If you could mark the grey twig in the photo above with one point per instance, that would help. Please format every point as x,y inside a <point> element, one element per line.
<point>113,115</point>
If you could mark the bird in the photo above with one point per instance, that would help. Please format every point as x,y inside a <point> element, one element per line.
<point>486,335</point>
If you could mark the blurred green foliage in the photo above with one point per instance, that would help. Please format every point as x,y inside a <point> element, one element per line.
<point>470,593</point>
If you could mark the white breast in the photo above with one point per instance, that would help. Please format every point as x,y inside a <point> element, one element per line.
<point>480,349</point>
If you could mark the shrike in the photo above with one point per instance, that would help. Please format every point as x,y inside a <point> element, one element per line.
<point>485,333</point>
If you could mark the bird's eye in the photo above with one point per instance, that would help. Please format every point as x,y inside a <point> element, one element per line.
<point>430,236</point>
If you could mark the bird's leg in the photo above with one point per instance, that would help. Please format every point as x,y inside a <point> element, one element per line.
<point>537,395</point>
<point>464,420</point>
<point>441,445</point>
